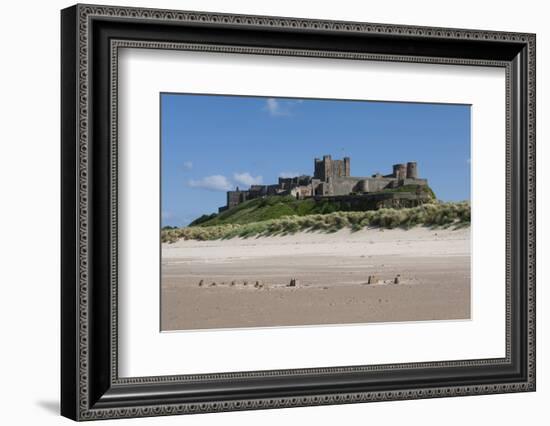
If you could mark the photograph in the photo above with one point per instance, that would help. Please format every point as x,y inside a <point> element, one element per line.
<point>283,212</point>
<point>264,209</point>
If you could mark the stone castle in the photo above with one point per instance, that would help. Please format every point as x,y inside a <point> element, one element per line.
<point>332,180</point>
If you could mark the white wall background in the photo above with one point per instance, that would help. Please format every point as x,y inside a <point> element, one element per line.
<point>29,224</point>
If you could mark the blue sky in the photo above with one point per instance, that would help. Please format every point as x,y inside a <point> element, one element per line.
<point>213,143</point>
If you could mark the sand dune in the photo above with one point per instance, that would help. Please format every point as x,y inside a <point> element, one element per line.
<point>246,282</point>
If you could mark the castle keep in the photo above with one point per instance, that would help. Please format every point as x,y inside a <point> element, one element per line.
<point>332,180</point>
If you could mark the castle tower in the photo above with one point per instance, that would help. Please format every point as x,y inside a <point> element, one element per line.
<point>327,167</point>
<point>347,166</point>
<point>399,171</point>
<point>412,171</point>
<point>317,168</point>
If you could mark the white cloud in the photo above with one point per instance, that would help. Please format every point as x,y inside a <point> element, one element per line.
<point>247,179</point>
<point>187,165</point>
<point>289,174</point>
<point>277,108</point>
<point>212,183</point>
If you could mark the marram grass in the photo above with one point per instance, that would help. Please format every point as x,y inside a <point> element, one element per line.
<point>432,215</point>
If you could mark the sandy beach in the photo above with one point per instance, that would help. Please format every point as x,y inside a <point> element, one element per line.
<point>372,275</point>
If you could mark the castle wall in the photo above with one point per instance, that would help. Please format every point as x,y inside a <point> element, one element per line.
<point>378,184</point>
<point>315,186</point>
<point>415,181</point>
<point>273,189</point>
<point>375,200</point>
<point>301,192</point>
<point>234,198</point>
<point>349,184</point>
<point>321,189</point>
<point>342,185</point>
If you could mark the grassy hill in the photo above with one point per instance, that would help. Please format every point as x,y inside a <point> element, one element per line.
<point>275,207</point>
<point>261,209</point>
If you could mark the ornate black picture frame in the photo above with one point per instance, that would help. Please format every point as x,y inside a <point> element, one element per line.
<point>91,387</point>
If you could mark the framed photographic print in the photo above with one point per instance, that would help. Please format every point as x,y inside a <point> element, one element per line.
<point>263,212</point>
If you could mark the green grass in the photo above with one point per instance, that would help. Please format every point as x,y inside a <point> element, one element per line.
<point>455,215</point>
<point>258,210</point>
